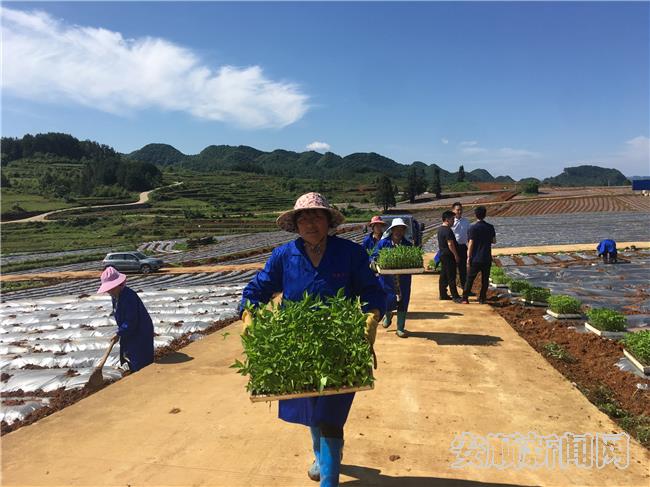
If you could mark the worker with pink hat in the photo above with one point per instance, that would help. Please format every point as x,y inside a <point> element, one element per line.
<point>134,325</point>
<point>377,227</point>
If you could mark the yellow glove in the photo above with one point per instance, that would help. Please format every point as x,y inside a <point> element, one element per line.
<point>247,319</point>
<point>372,320</point>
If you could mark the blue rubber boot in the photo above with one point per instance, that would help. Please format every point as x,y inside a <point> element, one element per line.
<point>330,461</point>
<point>401,323</point>
<point>314,471</point>
<point>387,319</point>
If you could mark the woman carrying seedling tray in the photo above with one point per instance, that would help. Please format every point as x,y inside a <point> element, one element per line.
<point>320,265</point>
<point>396,287</point>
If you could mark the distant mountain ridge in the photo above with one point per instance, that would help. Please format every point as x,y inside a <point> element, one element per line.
<point>298,164</point>
<point>358,166</point>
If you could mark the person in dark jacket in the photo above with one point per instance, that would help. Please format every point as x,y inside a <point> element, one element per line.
<point>479,257</point>
<point>319,264</point>
<point>134,325</point>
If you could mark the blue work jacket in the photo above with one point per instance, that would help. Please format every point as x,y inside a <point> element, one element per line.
<point>388,281</point>
<point>289,270</point>
<point>607,246</point>
<point>369,243</point>
<point>134,328</point>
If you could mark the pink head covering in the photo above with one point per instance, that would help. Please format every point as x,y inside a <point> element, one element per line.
<point>376,219</point>
<point>309,201</point>
<point>110,279</point>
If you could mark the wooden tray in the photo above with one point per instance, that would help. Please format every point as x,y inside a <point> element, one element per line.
<point>414,270</point>
<point>326,392</point>
<point>565,316</point>
<point>636,362</point>
<point>604,333</point>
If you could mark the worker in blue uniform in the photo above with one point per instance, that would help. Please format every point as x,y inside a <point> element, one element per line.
<point>319,264</point>
<point>607,250</point>
<point>134,325</point>
<point>377,227</point>
<point>396,287</point>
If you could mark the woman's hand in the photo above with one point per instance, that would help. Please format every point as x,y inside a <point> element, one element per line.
<point>372,320</point>
<point>247,319</point>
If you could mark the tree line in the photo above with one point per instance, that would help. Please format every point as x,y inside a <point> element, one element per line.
<point>415,184</point>
<point>102,171</point>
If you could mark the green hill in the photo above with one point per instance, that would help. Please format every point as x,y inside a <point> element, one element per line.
<point>159,154</point>
<point>587,176</point>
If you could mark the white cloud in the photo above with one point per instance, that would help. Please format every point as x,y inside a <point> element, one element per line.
<point>473,150</point>
<point>444,141</point>
<point>522,153</point>
<point>319,146</point>
<point>468,143</point>
<point>634,158</point>
<point>45,59</point>
<point>638,148</point>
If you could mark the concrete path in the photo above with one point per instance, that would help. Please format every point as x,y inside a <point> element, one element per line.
<point>188,421</point>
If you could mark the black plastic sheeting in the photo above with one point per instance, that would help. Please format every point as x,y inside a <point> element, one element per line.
<point>570,228</point>
<point>624,287</point>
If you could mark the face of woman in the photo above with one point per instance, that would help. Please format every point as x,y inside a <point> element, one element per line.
<point>312,225</point>
<point>398,233</point>
<point>378,229</point>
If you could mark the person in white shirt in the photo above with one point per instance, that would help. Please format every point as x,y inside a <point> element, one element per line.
<point>461,232</point>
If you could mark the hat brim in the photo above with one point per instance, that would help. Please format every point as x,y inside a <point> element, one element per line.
<point>107,286</point>
<point>285,220</point>
<point>398,225</point>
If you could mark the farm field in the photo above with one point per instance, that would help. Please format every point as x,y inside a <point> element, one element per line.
<point>623,286</point>
<point>50,344</point>
<point>578,204</point>
<point>565,229</point>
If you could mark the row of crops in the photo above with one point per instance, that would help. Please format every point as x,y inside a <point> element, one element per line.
<point>603,321</point>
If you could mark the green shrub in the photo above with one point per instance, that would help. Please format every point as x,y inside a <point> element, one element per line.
<point>531,187</point>
<point>400,257</point>
<point>564,304</point>
<point>305,346</point>
<point>518,285</point>
<point>639,344</point>
<point>539,294</point>
<point>607,319</point>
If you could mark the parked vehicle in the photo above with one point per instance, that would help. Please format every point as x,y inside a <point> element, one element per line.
<point>414,229</point>
<point>132,262</point>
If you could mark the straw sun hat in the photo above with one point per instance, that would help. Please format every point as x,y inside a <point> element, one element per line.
<point>309,201</point>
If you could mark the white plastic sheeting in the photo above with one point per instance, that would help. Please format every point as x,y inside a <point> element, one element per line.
<point>42,340</point>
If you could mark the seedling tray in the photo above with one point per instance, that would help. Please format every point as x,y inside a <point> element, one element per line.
<point>532,303</point>
<point>637,363</point>
<point>298,395</point>
<point>560,316</point>
<point>605,334</point>
<point>413,270</point>
<point>498,286</point>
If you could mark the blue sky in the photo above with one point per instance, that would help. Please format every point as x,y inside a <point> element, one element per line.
<point>517,88</point>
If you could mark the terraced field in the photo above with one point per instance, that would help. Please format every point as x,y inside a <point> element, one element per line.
<point>581,204</point>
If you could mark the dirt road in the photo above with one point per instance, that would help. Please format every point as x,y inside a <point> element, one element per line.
<point>43,217</point>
